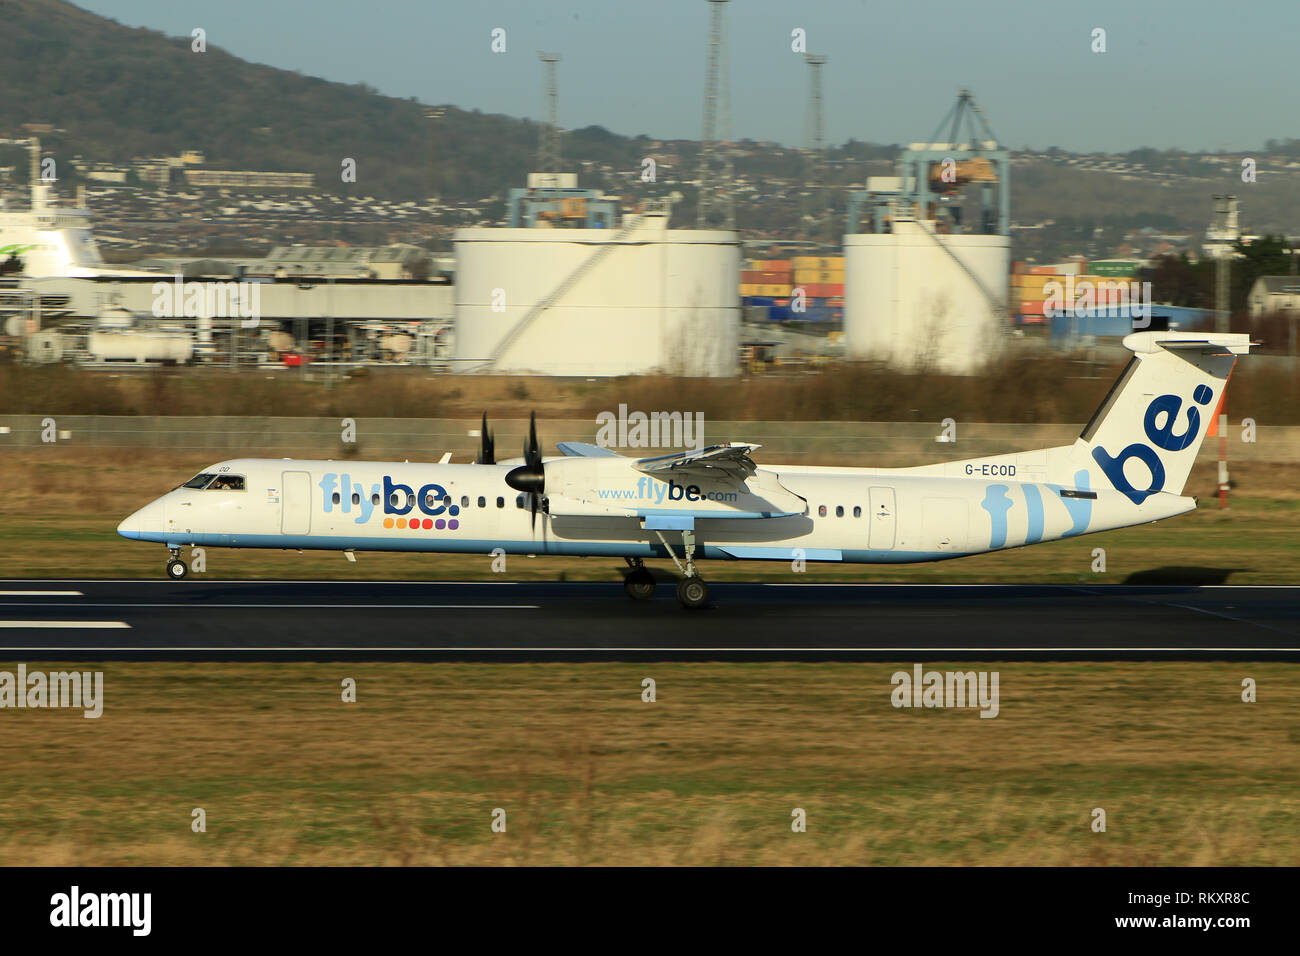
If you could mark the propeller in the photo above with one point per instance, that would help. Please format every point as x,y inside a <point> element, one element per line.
<point>487,447</point>
<point>530,477</point>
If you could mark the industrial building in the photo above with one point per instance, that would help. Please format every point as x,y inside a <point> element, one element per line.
<point>926,260</point>
<point>567,298</point>
<point>1271,294</point>
<point>346,321</point>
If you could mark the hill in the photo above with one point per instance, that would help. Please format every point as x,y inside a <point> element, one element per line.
<point>121,92</point>
<point>115,92</point>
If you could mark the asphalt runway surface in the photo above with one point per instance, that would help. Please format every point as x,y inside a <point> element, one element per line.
<point>546,621</point>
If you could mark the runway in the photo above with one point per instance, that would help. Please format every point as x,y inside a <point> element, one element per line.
<point>546,621</point>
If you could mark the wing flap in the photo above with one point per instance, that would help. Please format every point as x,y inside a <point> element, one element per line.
<point>730,460</point>
<point>582,449</point>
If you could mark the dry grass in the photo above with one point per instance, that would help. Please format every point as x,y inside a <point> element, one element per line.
<point>708,774</point>
<point>1037,388</point>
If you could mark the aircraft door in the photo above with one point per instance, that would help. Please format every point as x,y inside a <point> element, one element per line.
<point>883,519</point>
<point>295,502</point>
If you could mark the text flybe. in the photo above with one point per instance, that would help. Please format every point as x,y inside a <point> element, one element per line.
<point>346,494</point>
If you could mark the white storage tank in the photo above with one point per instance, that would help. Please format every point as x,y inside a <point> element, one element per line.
<point>917,299</point>
<point>129,345</point>
<point>641,298</point>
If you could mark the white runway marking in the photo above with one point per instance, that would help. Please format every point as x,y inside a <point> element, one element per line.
<point>41,594</point>
<point>61,624</point>
<point>260,581</point>
<point>127,604</point>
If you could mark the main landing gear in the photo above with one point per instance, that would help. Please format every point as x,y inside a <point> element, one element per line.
<point>692,592</point>
<point>176,568</point>
<point>639,582</point>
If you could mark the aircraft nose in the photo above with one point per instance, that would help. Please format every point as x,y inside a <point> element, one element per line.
<point>148,518</point>
<point>130,526</point>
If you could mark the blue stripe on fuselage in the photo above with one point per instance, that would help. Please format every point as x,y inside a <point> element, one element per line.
<point>450,545</point>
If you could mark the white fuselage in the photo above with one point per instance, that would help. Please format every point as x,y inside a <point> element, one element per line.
<point>603,506</point>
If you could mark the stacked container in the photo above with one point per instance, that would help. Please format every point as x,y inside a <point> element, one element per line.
<point>822,280</point>
<point>766,278</point>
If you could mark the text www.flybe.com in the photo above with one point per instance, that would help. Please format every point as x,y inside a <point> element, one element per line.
<point>658,491</point>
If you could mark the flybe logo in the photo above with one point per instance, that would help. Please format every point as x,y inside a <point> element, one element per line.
<point>656,491</point>
<point>1163,434</point>
<point>429,508</point>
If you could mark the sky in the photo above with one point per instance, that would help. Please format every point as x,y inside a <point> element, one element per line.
<point>1192,74</point>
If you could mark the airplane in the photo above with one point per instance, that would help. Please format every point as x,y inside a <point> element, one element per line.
<point>1128,467</point>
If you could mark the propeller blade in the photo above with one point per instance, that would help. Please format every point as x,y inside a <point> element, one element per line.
<point>487,447</point>
<point>533,453</point>
<point>529,477</point>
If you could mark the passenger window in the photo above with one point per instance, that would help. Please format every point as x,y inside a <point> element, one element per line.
<point>374,499</point>
<point>356,498</point>
<point>519,501</point>
<point>482,502</point>
<point>857,511</point>
<point>227,483</point>
<point>464,501</point>
<point>429,499</point>
<point>839,511</point>
<point>335,498</point>
<point>501,502</point>
<point>395,500</point>
<point>821,511</point>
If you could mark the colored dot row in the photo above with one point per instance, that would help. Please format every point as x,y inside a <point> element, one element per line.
<point>429,524</point>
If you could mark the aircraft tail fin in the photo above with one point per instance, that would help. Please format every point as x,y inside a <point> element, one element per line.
<point>1145,436</point>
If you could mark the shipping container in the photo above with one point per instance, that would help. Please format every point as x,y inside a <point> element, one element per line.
<point>1042,270</point>
<point>764,276</point>
<point>821,290</point>
<point>774,265</point>
<point>1116,268</point>
<point>819,276</point>
<point>818,262</point>
<point>764,289</point>
<point>1037,283</point>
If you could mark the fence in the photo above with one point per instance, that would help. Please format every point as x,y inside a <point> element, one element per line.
<point>887,444</point>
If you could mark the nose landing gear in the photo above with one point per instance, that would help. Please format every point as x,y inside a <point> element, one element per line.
<point>176,568</point>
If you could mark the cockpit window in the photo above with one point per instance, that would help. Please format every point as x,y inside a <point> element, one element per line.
<point>198,481</point>
<point>227,483</point>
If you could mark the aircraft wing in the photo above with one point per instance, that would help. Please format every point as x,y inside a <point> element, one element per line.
<point>581,449</point>
<point>729,460</point>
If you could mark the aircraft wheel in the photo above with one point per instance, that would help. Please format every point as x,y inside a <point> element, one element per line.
<point>692,592</point>
<point>177,569</point>
<point>639,584</point>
